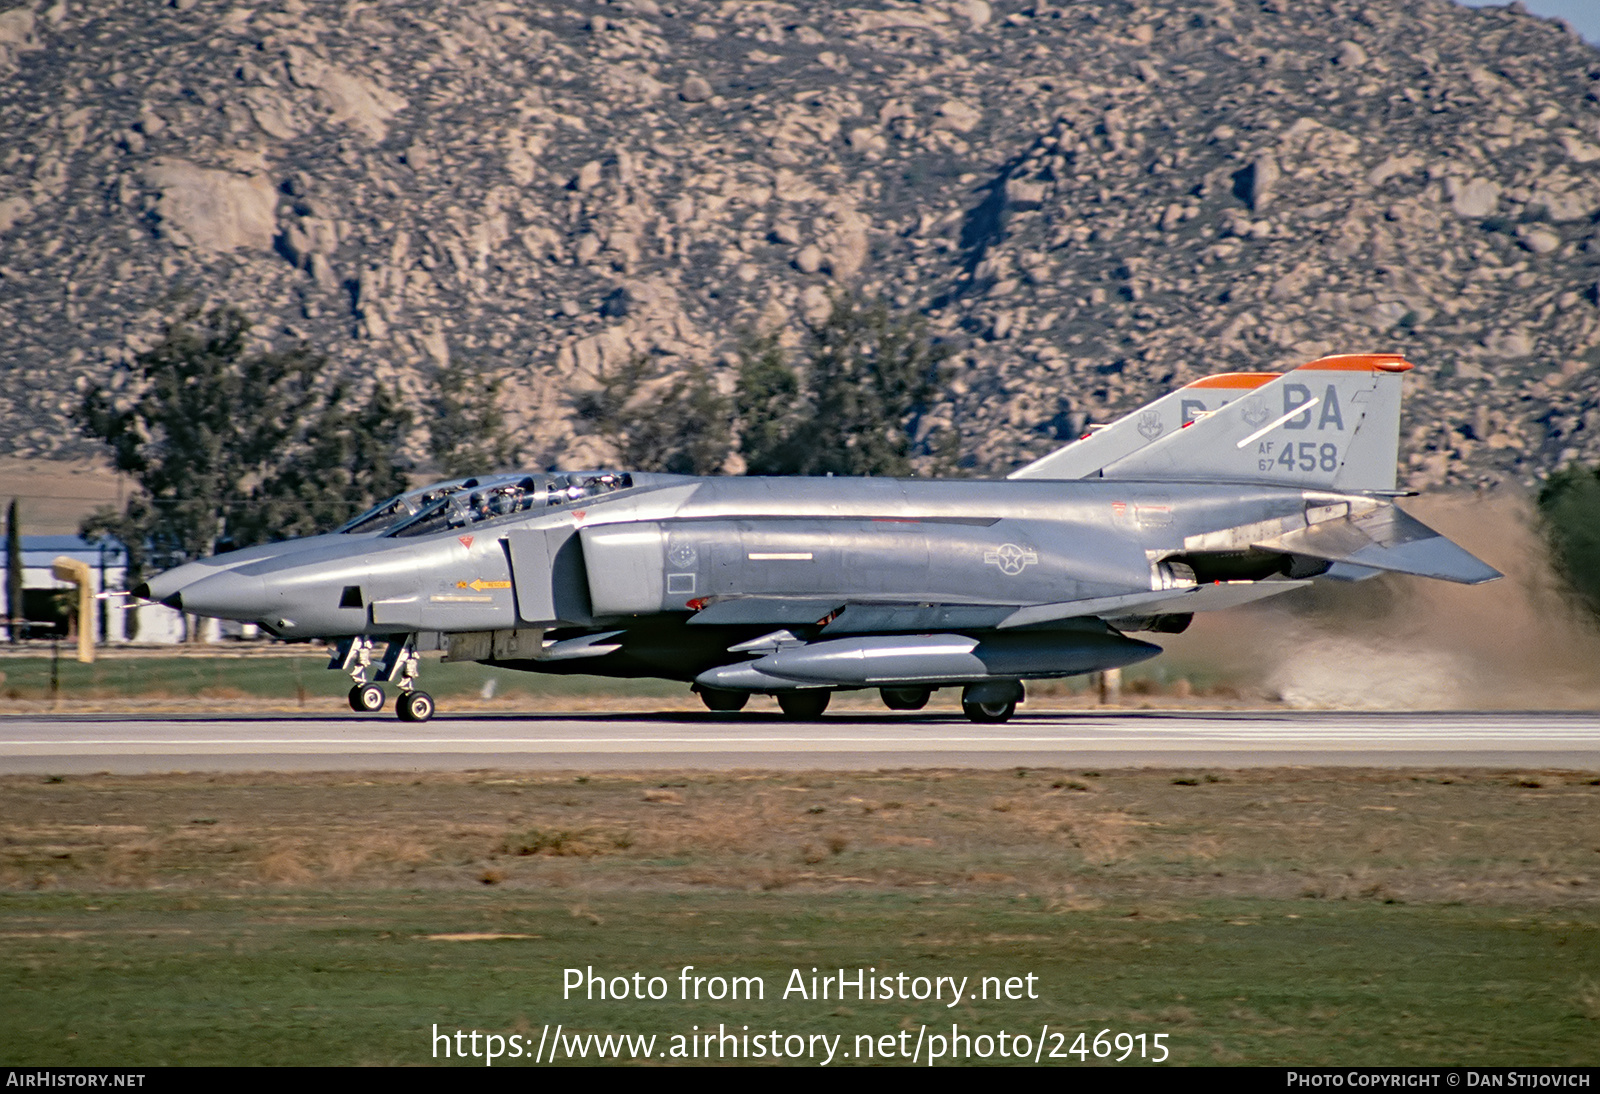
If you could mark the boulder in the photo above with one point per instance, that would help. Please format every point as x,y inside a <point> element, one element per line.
<point>1476,197</point>
<point>213,210</point>
<point>694,89</point>
<point>351,100</point>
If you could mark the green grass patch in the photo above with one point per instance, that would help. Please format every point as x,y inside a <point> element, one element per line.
<point>153,978</point>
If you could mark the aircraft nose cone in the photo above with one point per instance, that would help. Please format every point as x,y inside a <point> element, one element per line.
<point>164,585</point>
<point>142,591</point>
<point>227,595</point>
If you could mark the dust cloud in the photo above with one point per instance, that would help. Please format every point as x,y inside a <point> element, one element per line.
<point>1397,642</point>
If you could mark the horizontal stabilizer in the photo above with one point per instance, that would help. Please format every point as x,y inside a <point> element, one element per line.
<point>1385,539</point>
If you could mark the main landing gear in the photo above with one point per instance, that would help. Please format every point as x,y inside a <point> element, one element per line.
<point>992,701</point>
<point>905,698</point>
<point>989,702</point>
<point>399,665</point>
<point>723,700</point>
<point>806,705</point>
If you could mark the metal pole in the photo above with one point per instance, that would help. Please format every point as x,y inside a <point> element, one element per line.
<point>105,618</point>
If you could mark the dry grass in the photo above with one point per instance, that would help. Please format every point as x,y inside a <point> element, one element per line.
<point>1076,837</point>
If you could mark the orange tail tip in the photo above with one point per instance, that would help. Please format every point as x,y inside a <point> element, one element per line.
<point>1238,380</point>
<point>1359,362</point>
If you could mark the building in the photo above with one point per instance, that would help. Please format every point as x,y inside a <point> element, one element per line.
<point>118,619</point>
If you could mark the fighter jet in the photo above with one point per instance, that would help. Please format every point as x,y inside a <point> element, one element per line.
<point>1232,489</point>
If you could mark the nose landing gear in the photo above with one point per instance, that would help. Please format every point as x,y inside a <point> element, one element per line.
<point>399,665</point>
<point>354,655</point>
<point>366,698</point>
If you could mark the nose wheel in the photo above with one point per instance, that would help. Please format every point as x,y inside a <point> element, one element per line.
<point>415,706</point>
<point>366,698</point>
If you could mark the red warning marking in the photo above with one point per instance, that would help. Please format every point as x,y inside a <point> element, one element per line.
<point>466,541</point>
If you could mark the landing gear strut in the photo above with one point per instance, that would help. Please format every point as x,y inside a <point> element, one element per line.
<point>354,655</point>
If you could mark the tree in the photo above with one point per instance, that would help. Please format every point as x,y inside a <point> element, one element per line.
<point>466,432</point>
<point>349,453</point>
<point>1569,513</point>
<point>679,424</point>
<point>770,411</point>
<point>231,446</point>
<point>854,404</point>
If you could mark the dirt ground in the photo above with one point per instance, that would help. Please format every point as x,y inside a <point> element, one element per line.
<point>54,496</point>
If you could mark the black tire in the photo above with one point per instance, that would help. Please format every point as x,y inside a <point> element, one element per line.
<point>724,700</point>
<point>805,705</point>
<point>991,712</point>
<point>415,706</point>
<point>905,698</point>
<point>366,698</point>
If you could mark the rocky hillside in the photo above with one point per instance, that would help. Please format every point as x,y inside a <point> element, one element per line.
<point>1090,200</point>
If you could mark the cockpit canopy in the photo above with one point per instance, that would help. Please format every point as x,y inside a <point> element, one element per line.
<point>392,512</point>
<point>492,498</point>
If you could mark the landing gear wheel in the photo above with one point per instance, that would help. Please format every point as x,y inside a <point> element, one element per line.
<point>991,701</point>
<point>990,712</point>
<point>905,698</point>
<point>366,698</point>
<point>415,706</point>
<point>723,700</point>
<point>804,705</point>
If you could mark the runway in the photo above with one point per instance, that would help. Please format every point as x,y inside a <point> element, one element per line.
<point>80,744</point>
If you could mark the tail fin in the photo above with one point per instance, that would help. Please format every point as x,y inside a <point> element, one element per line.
<point>1332,424</point>
<point>1149,423</point>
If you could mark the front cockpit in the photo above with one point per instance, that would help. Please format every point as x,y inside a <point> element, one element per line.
<point>479,500</point>
<point>496,495</point>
